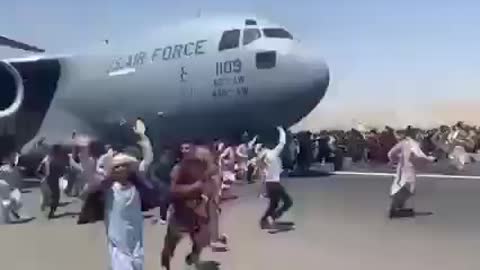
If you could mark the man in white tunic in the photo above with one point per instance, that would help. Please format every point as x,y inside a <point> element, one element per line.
<point>123,203</point>
<point>244,153</point>
<point>227,166</point>
<point>12,178</point>
<point>406,154</point>
<point>454,144</point>
<point>275,190</point>
<point>460,140</point>
<point>5,202</point>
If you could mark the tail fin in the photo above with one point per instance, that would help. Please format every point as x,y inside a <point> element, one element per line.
<point>4,41</point>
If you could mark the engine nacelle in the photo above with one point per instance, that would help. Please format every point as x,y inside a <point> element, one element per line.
<point>11,90</point>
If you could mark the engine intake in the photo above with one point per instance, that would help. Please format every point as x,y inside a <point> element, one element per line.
<point>11,90</point>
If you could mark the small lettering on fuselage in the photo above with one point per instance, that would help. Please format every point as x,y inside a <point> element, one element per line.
<point>169,52</point>
<point>225,84</point>
<point>225,92</point>
<point>229,81</point>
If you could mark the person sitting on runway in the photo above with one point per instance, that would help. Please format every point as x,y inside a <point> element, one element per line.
<point>406,154</point>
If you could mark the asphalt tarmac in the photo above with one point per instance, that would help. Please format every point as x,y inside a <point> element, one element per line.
<point>443,166</point>
<point>341,223</point>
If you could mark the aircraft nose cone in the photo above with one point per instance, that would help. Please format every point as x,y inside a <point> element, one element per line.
<point>296,85</point>
<point>312,79</point>
<point>317,80</point>
<point>320,75</point>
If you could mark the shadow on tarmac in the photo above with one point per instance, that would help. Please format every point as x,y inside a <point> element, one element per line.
<point>208,265</point>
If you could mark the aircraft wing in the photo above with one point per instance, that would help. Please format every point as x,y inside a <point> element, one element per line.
<point>4,41</point>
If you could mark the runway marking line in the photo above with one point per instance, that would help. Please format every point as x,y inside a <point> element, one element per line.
<point>418,175</point>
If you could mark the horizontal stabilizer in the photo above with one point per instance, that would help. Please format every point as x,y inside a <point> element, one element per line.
<point>4,41</point>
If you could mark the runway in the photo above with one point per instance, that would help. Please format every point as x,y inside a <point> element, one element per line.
<point>442,167</point>
<point>340,221</point>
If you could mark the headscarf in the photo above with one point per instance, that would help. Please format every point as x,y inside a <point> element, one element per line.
<point>93,208</point>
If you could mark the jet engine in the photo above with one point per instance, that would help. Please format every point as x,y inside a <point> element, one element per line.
<point>11,90</point>
<point>27,88</point>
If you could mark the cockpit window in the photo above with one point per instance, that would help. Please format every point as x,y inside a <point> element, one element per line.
<point>277,33</point>
<point>266,60</point>
<point>250,22</point>
<point>230,40</point>
<point>250,35</point>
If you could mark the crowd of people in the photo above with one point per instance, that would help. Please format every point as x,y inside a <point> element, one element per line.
<point>459,143</point>
<point>406,149</point>
<point>117,185</point>
<point>189,183</point>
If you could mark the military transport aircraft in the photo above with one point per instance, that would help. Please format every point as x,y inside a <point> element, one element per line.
<point>204,77</point>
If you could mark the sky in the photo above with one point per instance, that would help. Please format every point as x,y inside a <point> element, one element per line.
<point>408,60</point>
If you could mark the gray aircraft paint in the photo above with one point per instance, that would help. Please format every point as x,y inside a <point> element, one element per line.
<point>182,84</point>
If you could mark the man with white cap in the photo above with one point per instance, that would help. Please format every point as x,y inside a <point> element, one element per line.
<point>120,185</point>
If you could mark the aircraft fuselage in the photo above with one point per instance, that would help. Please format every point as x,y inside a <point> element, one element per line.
<point>184,82</point>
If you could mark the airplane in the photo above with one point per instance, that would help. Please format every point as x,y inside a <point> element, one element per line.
<point>204,78</point>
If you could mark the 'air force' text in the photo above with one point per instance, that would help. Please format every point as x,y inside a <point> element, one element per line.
<point>166,53</point>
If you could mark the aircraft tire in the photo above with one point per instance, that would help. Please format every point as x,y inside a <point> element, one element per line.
<point>338,160</point>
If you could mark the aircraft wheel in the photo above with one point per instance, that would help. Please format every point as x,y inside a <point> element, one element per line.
<point>338,160</point>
